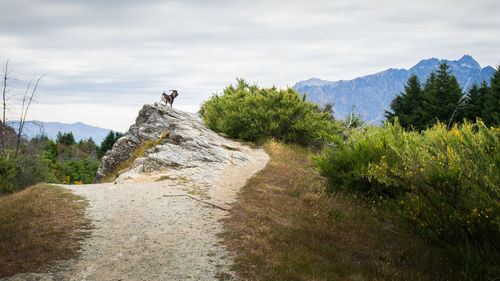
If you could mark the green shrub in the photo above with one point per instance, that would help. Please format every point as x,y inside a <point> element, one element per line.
<point>346,165</point>
<point>8,173</point>
<point>249,113</point>
<point>80,170</point>
<point>23,171</point>
<point>443,184</point>
<point>33,169</point>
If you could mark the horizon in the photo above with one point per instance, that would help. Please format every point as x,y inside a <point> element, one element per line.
<point>104,60</point>
<point>189,109</point>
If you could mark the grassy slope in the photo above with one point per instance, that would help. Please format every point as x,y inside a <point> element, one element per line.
<point>38,226</point>
<point>285,228</point>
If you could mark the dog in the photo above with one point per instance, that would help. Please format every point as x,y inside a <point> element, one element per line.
<point>169,99</point>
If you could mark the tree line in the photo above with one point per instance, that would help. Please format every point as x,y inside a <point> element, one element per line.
<point>41,159</point>
<point>441,99</point>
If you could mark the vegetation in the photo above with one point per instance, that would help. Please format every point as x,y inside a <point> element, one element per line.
<point>436,186</point>
<point>491,111</point>
<point>43,160</point>
<point>108,142</point>
<point>415,199</point>
<point>441,99</point>
<point>249,113</point>
<point>37,228</point>
<point>285,227</point>
<point>443,185</point>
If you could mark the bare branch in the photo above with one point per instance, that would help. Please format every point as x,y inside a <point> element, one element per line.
<point>4,105</point>
<point>24,111</point>
<point>455,111</point>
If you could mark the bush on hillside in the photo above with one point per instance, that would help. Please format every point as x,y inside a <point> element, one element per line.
<point>444,184</point>
<point>79,170</point>
<point>345,166</point>
<point>23,171</point>
<point>33,169</point>
<point>250,113</point>
<point>8,173</point>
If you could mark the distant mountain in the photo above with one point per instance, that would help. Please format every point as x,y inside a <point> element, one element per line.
<point>50,129</point>
<point>372,94</point>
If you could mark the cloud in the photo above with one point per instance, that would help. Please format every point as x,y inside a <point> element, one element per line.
<point>121,54</point>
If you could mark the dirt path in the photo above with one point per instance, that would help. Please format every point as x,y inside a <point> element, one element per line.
<point>142,233</point>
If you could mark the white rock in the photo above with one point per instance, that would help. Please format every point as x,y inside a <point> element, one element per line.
<point>189,150</point>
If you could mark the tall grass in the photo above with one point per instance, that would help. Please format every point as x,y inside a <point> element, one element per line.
<point>443,184</point>
<point>284,226</point>
<point>38,226</point>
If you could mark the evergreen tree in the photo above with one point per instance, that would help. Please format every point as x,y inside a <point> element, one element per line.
<point>442,96</point>
<point>441,99</point>
<point>474,102</point>
<point>108,142</point>
<point>407,106</point>
<point>396,107</point>
<point>65,138</point>
<point>118,135</point>
<point>491,112</point>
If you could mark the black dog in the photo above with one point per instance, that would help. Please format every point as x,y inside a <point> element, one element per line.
<point>169,99</point>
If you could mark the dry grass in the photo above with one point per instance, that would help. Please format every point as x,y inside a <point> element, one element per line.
<point>284,227</point>
<point>38,226</point>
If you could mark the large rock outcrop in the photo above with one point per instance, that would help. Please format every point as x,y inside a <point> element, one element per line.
<point>178,146</point>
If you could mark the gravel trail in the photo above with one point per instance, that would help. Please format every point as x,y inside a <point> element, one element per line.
<point>142,233</point>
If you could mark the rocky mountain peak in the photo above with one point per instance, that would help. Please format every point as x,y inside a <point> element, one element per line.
<point>468,61</point>
<point>372,94</point>
<point>169,142</point>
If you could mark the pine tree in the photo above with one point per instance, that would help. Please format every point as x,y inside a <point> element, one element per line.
<point>474,102</point>
<point>407,105</point>
<point>65,138</point>
<point>442,96</point>
<point>107,143</point>
<point>491,112</point>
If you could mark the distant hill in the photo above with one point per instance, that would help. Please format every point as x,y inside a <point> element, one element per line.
<point>372,94</point>
<point>50,129</point>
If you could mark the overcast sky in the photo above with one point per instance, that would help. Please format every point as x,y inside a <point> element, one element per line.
<point>104,59</point>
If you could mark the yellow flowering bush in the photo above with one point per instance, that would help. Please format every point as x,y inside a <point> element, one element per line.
<point>445,184</point>
<point>347,162</point>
